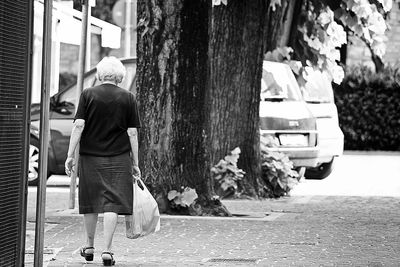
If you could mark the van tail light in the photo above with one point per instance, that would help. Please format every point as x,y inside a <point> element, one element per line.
<point>271,123</point>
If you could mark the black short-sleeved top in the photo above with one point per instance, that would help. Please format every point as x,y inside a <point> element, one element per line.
<point>108,111</point>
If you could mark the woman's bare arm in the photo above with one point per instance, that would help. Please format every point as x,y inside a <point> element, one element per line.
<point>76,134</point>
<point>133,139</point>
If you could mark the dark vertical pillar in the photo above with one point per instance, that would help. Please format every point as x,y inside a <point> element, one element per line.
<point>16,25</point>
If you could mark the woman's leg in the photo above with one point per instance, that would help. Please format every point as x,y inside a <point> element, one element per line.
<point>90,221</point>
<point>110,223</point>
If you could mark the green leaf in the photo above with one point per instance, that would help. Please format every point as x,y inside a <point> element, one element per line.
<point>218,177</point>
<point>282,185</point>
<point>219,2</point>
<point>221,166</point>
<point>236,151</point>
<point>178,201</point>
<point>189,195</point>
<point>235,170</point>
<point>173,194</point>
<point>228,184</point>
<point>275,3</point>
<point>214,170</point>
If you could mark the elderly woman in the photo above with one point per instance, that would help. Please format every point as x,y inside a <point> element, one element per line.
<point>105,125</point>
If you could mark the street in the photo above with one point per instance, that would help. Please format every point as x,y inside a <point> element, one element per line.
<point>358,174</point>
<point>351,218</point>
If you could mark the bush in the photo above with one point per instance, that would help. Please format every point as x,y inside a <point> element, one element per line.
<point>277,170</point>
<point>227,176</point>
<point>369,110</point>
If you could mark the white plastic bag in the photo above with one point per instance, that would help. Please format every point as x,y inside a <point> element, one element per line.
<point>146,216</point>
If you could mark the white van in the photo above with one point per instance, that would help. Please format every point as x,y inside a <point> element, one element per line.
<point>318,94</point>
<point>285,118</point>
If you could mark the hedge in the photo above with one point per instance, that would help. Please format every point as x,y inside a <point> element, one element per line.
<point>369,109</point>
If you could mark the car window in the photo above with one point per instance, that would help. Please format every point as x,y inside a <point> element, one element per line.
<point>63,110</point>
<point>278,83</point>
<point>318,88</point>
<point>69,95</point>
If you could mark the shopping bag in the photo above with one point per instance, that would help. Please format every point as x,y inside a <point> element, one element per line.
<point>146,216</point>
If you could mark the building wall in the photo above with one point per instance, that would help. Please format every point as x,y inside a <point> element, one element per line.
<point>69,55</point>
<point>393,44</point>
<point>358,53</point>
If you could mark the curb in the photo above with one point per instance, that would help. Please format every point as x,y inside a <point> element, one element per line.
<point>372,153</point>
<point>249,216</point>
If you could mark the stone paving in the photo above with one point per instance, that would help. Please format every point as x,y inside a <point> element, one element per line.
<point>292,231</point>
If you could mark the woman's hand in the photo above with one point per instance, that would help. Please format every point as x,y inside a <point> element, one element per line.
<point>69,166</point>
<point>136,171</point>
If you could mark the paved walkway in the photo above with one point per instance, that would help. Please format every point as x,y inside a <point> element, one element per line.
<point>295,231</point>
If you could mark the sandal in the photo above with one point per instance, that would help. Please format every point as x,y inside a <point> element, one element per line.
<point>108,259</point>
<point>87,256</point>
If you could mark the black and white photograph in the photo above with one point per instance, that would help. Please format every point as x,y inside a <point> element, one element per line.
<point>199,133</point>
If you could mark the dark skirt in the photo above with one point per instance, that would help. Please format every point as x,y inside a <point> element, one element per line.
<point>105,184</point>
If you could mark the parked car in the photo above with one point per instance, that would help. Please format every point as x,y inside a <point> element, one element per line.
<point>318,94</point>
<point>62,112</point>
<point>285,117</point>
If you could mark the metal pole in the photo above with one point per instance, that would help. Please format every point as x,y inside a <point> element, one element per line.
<point>89,40</point>
<point>128,26</point>
<point>24,192</point>
<point>44,132</point>
<point>79,88</point>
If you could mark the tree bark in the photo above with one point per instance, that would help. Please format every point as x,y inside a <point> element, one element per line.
<point>232,99</point>
<point>172,73</point>
<point>296,40</point>
<point>288,8</point>
<point>198,87</point>
<point>278,25</point>
<point>379,65</point>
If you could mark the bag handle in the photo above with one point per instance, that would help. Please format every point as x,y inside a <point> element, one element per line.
<point>138,181</point>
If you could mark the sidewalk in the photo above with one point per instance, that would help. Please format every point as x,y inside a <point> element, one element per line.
<point>295,231</point>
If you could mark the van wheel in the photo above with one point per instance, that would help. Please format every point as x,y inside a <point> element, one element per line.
<point>320,172</point>
<point>33,171</point>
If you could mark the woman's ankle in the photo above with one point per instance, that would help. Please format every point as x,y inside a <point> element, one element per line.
<point>107,254</point>
<point>89,249</point>
<point>107,250</point>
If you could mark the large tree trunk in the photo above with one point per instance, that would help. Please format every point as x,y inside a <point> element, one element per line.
<point>155,92</point>
<point>198,92</point>
<point>236,54</point>
<point>172,73</point>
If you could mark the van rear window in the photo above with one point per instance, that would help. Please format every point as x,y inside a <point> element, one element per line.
<point>279,84</point>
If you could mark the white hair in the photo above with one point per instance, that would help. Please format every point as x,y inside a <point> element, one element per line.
<point>110,69</point>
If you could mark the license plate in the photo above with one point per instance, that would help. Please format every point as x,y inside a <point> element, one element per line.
<point>293,140</point>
